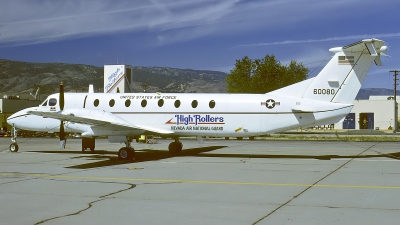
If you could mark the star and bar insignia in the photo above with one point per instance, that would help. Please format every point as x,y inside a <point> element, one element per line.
<point>270,103</point>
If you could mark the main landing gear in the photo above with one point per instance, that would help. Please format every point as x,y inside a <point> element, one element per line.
<point>14,145</point>
<point>126,153</point>
<point>88,143</point>
<point>175,147</point>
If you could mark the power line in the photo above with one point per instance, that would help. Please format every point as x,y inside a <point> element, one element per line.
<point>395,101</point>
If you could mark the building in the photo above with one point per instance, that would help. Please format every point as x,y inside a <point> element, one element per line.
<point>118,78</point>
<point>375,113</point>
<point>10,105</point>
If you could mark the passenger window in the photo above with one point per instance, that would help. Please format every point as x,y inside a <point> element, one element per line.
<point>111,103</point>
<point>143,103</point>
<point>52,102</point>
<point>96,103</point>
<point>127,102</point>
<point>194,103</point>
<point>160,102</point>
<point>177,103</point>
<point>211,104</point>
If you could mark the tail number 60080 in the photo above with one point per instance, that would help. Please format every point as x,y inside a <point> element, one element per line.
<point>324,91</point>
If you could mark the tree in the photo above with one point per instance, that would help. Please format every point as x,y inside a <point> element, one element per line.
<point>239,79</point>
<point>263,75</point>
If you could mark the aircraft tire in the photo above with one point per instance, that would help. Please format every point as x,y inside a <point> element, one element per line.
<point>175,147</point>
<point>126,153</point>
<point>14,147</point>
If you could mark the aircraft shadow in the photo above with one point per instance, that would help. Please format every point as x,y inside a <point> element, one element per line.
<point>143,155</point>
<point>319,157</point>
<point>154,155</point>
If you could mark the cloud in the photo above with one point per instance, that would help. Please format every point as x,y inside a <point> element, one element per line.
<point>29,22</point>
<point>44,21</point>
<point>352,37</point>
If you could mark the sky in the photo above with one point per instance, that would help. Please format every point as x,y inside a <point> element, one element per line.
<point>197,34</point>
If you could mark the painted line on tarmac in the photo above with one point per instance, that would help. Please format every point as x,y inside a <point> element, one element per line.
<point>153,180</point>
<point>368,160</point>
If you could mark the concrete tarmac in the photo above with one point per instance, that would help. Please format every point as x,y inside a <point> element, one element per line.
<point>218,182</point>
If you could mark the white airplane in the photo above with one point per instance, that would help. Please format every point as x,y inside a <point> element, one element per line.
<point>324,99</point>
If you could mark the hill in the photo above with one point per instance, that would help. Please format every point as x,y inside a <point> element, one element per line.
<point>19,78</point>
<point>366,92</point>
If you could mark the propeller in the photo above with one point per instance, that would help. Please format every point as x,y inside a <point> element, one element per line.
<point>61,102</point>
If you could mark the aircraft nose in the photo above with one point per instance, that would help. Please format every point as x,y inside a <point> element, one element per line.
<point>15,118</point>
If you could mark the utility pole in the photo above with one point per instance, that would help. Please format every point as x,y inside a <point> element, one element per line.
<point>395,101</point>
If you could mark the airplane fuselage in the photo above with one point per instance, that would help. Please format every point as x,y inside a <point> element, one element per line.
<point>324,99</point>
<point>234,115</point>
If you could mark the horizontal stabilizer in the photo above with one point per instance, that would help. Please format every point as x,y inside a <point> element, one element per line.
<point>372,46</point>
<point>300,111</point>
<point>311,106</point>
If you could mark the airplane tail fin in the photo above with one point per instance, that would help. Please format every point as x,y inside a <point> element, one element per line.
<point>341,79</point>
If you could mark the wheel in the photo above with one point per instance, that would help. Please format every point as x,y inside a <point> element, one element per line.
<point>226,138</point>
<point>14,147</point>
<point>92,149</point>
<point>88,143</point>
<point>126,153</point>
<point>251,138</point>
<point>175,147</point>
<point>239,138</point>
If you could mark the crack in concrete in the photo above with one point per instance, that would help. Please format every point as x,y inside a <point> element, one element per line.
<point>309,187</point>
<point>90,204</point>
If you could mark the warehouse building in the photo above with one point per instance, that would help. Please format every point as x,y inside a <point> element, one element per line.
<point>376,113</point>
<point>10,105</point>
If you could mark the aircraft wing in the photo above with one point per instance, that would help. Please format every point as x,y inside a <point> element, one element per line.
<point>97,118</point>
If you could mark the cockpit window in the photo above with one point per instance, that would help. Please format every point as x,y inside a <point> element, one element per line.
<point>52,102</point>
<point>44,103</point>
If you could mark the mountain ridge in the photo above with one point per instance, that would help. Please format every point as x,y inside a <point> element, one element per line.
<point>20,78</point>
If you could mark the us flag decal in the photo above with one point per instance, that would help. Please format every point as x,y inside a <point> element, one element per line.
<point>346,60</point>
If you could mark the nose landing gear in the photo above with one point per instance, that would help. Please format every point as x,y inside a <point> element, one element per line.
<point>14,145</point>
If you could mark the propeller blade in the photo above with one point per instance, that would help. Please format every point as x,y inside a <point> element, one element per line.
<point>61,97</point>
<point>62,131</point>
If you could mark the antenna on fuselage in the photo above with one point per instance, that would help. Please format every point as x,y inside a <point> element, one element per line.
<point>91,88</point>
